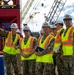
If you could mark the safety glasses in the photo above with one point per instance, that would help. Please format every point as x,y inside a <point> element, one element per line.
<point>25,30</point>
<point>67,19</point>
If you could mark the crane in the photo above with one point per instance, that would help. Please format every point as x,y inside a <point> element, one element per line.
<point>53,13</point>
<point>26,8</point>
<point>55,10</point>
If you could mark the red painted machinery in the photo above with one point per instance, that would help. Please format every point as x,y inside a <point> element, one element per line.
<point>8,15</point>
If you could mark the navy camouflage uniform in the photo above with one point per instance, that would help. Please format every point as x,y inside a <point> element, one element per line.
<point>29,65</point>
<point>10,59</point>
<point>45,68</point>
<point>58,61</point>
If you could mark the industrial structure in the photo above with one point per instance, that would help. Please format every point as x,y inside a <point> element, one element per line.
<point>8,15</point>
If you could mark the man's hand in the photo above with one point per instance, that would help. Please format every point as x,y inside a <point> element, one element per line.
<point>1,29</point>
<point>25,55</point>
<point>16,47</point>
<point>38,53</point>
<point>32,52</point>
<point>61,56</point>
<point>73,56</point>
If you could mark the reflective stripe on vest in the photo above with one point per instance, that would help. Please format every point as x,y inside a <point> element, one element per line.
<point>67,42</point>
<point>57,42</point>
<point>27,48</point>
<point>9,46</point>
<point>39,39</point>
<point>47,57</point>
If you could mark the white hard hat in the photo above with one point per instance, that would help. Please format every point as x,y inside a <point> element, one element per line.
<point>59,22</point>
<point>6,0</point>
<point>14,25</point>
<point>45,24</point>
<point>26,28</point>
<point>18,31</point>
<point>67,16</point>
<point>10,2</point>
<point>41,31</point>
<point>52,26</point>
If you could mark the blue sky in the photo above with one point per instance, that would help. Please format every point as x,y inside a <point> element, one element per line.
<point>36,23</point>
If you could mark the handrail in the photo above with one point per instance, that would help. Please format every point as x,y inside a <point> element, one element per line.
<point>7,5</point>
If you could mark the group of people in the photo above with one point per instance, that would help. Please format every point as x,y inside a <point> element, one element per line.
<point>56,50</point>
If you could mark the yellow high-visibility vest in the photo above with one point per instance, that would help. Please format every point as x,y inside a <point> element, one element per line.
<point>57,42</point>
<point>67,42</point>
<point>47,58</point>
<point>27,48</point>
<point>9,46</point>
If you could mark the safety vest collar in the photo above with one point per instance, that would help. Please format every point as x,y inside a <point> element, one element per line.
<point>68,35</point>
<point>46,42</point>
<point>68,39</point>
<point>28,47</point>
<point>8,41</point>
